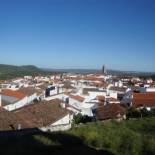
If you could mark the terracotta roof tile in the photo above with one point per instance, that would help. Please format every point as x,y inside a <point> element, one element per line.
<point>16,94</point>
<point>42,114</point>
<point>27,91</point>
<point>101,98</point>
<point>10,121</point>
<point>143,99</point>
<point>110,111</point>
<point>77,97</point>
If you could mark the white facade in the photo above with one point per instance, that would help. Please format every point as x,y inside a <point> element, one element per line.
<point>118,84</point>
<point>150,89</point>
<point>54,92</point>
<point>10,86</point>
<point>147,90</point>
<point>111,93</point>
<point>18,80</point>
<point>86,109</point>
<point>149,81</point>
<point>76,106</point>
<point>59,96</point>
<point>19,104</point>
<point>60,125</point>
<point>94,94</point>
<point>28,77</point>
<point>64,120</point>
<point>146,85</point>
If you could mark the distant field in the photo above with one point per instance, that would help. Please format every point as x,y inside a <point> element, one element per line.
<point>132,137</point>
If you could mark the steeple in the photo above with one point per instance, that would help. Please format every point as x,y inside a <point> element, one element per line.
<point>104,71</point>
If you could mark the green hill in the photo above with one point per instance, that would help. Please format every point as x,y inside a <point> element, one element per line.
<point>130,137</point>
<point>10,71</point>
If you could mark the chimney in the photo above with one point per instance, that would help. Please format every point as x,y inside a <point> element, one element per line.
<point>19,127</point>
<point>0,98</point>
<point>105,101</point>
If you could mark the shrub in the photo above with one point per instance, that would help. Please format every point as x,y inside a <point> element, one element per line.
<point>130,137</point>
<point>133,113</point>
<point>81,119</point>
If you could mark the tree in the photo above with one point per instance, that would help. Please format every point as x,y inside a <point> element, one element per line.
<point>81,119</point>
<point>133,113</point>
<point>77,118</point>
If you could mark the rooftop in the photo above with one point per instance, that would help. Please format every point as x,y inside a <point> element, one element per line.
<point>11,93</point>
<point>144,99</point>
<point>42,114</point>
<point>110,111</point>
<point>120,89</point>
<point>77,97</point>
<point>10,121</point>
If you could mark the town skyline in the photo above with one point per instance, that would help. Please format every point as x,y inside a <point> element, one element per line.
<point>82,70</point>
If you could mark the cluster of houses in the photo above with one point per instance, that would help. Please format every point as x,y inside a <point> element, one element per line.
<point>50,103</point>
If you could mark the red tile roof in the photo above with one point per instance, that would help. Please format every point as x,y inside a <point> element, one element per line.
<point>90,78</point>
<point>27,91</point>
<point>11,93</point>
<point>143,99</point>
<point>10,121</point>
<point>100,85</point>
<point>149,95</point>
<point>93,78</point>
<point>110,111</point>
<point>101,98</point>
<point>77,97</point>
<point>19,94</point>
<point>42,114</point>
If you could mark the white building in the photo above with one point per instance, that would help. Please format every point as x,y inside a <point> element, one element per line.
<point>12,100</point>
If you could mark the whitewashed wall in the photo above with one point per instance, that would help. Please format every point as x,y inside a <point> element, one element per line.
<point>87,111</point>
<point>60,125</point>
<point>150,89</point>
<point>53,92</point>
<point>63,127</point>
<point>113,94</point>
<point>21,103</point>
<point>64,120</point>
<point>94,94</point>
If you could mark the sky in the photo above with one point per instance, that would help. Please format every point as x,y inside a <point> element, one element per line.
<point>78,34</point>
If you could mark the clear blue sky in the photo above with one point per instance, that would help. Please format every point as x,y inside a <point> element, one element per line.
<point>78,33</point>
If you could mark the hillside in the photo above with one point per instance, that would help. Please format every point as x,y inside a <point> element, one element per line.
<point>131,137</point>
<point>10,71</point>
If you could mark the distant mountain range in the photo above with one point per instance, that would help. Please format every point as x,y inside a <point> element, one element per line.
<point>10,71</point>
<point>76,71</point>
<point>110,71</point>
